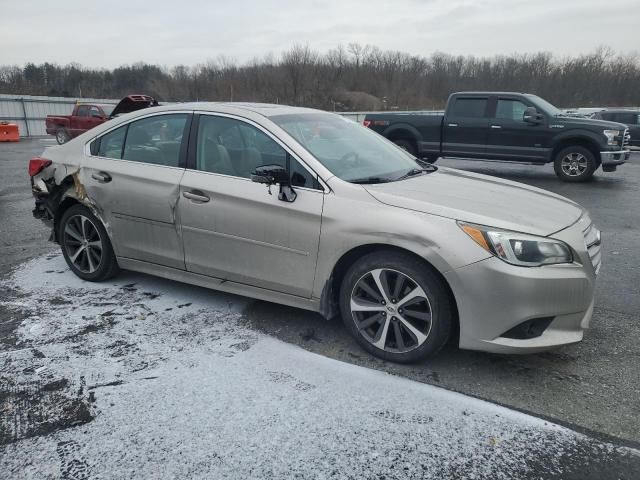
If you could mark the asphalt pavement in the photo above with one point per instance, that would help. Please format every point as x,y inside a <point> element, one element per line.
<point>592,387</point>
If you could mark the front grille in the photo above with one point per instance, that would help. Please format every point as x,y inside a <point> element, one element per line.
<point>626,138</point>
<point>593,242</point>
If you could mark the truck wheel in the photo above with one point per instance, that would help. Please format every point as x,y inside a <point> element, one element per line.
<point>61,136</point>
<point>575,164</point>
<point>407,145</point>
<point>395,308</point>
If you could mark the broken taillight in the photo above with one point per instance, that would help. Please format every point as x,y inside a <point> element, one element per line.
<point>37,164</point>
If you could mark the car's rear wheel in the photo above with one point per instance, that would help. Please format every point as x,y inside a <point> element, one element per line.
<point>85,245</point>
<point>62,136</point>
<point>575,164</point>
<point>396,308</point>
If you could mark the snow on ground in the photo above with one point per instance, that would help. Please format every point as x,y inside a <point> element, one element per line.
<point>140,378</point>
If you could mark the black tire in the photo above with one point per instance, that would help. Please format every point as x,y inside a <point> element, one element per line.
<point>575,164</point>
<point>437,330</point>
<point>408,145</point>
<point>62,136</point>
<point>79,238</point>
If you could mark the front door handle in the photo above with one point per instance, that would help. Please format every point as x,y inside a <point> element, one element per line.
<point>101,177</point>
<point>196,196</point>
<point>496,126</point>
<point>452,124</point>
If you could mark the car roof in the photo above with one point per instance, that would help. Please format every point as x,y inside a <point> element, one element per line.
<point>264,109</point>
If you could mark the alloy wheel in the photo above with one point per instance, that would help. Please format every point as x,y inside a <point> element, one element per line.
<point>390,310</point>
<point>83,243</point>
<point>574,164</point>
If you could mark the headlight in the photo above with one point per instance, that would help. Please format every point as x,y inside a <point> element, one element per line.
<point>519,248</point>
<point>611,136</point>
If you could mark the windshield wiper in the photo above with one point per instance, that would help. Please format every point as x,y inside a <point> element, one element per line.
<point>364,180</point>
<point>418,171</point>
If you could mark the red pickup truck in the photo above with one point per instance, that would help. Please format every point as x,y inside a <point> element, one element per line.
<point>86,116</point>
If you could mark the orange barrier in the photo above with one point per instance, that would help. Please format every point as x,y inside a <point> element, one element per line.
<point>9,132</point>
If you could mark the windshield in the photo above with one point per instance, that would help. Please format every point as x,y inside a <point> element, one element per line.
<point>349,150</point>
<point>545,106</point>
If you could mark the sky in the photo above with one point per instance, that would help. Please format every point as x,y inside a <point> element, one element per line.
<point>110,33</point>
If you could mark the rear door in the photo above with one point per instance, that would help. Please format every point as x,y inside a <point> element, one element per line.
<point>465,129</point>
<point>510,137</point>
<point>133,175</point>
<point>239,230</point>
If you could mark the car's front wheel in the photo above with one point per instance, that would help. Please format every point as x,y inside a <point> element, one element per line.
<point>85,245</point>
<point>396,308</point>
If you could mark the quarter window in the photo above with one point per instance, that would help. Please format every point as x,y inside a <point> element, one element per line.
<point>510,110</point>
<point>156,140</point>
<point>469,107</point>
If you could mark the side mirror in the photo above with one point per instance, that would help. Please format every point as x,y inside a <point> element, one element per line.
<point>532,116</point>
<point>275,175</point>
<point>271,175</point>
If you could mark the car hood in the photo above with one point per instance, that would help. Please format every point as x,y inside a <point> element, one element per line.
<point>480,199</point>
<point>133,103</point>
<point>590,122</point>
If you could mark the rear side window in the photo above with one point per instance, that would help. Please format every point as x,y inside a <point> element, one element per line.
<point>156,140</point>
<point>469,107</point>
<point>510,110</point>
<point>110,145</point>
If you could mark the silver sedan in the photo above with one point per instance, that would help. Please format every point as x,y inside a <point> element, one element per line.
<point>308,209</point>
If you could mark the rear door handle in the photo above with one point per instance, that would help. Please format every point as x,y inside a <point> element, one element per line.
<point>452,124</point>
<point>101,177</point>
<point>496,126</point>
<point>196,196</point>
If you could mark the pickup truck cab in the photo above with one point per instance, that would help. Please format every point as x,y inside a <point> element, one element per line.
<point>84,117</point>
<point>87,116</point>
<point>508,127</point>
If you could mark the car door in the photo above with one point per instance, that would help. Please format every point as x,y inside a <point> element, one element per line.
<point>465,127</point>
<point>79,122</point>
<point>95,118</point>
<point>511,138</point>
<point>239,230</point>
<point>133,175</point>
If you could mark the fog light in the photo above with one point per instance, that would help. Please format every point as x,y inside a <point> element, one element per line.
<point>529,329</point>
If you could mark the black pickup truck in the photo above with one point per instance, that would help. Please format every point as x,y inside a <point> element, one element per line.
<point>508,127</point>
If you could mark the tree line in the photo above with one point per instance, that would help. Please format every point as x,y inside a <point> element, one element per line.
<point>352,77</point>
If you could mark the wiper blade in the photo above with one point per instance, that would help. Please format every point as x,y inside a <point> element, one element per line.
<point>418,171</point>
<point>365,180</point>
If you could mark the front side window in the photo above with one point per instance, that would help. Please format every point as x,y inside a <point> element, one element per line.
<point>469,108</point>
<point>95,112</point>
<point>232,147</point>
<point>510,110</point>
<point>347,149</point>
<point>156,140</point>
<point>83,111</point>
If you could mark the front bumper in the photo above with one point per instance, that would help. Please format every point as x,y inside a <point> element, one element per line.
<point>494,297</point>
<point>614,158</point>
